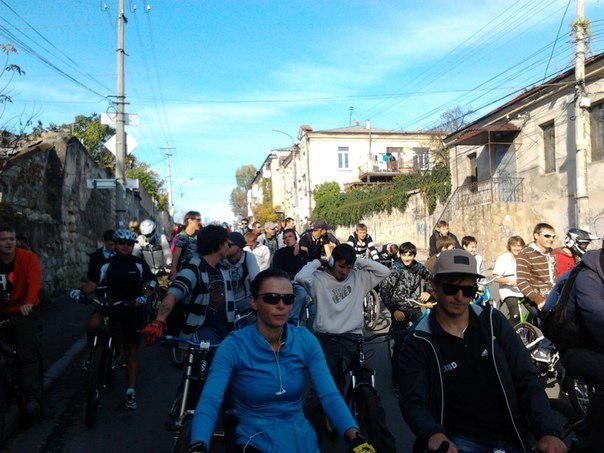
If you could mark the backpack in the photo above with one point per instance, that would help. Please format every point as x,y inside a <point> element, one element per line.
<point>560,324</point>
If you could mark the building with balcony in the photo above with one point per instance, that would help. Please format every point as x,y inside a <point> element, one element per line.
<point>358,154</point>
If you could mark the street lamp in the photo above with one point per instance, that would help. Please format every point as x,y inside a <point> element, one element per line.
<point>183,183</point>
<point>285,133</point>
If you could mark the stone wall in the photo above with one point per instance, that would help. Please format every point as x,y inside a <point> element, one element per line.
<point>44,195</point>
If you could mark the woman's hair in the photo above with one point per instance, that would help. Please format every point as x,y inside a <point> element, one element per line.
<point>515,240</point>
<point>266,274</point>
<point>407,247</point>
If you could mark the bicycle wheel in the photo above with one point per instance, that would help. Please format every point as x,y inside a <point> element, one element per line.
<point>369,413</point>
<point>183,441</point>
<point>527,332</point>
<point>177,356</point>
<point>579,394</point>
<point>372,310</point>
<point>173,421</point>
<point>96,373</point>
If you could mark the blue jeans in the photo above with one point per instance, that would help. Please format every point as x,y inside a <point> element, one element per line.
<point>466,444</point>
<point>300,296</point>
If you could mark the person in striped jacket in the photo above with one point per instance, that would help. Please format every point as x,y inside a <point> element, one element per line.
<point>536,265</point>
<point>362,243</point>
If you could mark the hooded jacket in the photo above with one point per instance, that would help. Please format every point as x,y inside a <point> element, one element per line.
<point>589,293</point>
<point>423,392</point>
<point>267,390</point>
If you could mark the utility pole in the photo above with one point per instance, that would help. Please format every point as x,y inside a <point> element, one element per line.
<point>350,109</point>
<point>582,144</point>
<point>120,132</point>
<point>167,150</point>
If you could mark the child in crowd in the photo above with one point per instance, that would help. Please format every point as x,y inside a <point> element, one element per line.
<point>442,243</point>
<point>389,253</point>
<point>402,293</point>
<point>470,244</point>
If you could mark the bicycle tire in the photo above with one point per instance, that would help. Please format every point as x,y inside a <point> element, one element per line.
<point>177,356</point>
<point>372,311</point>
<point>183,440</point>
<point>96,372</point>
<point>173,416</point>
<point>527,332</point>
<point>369,413</point>
<point>579,395</point>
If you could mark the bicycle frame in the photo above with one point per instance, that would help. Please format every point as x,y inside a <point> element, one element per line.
<point>358,373</point>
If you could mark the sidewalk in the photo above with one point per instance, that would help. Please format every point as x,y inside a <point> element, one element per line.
<point>63,326</point>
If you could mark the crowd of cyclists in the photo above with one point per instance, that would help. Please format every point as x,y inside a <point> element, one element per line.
<point>464,379</point>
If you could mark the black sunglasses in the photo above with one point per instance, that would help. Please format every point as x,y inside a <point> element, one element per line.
<point>274,298</point>
<point>450,289</point>
<point>124,242</point>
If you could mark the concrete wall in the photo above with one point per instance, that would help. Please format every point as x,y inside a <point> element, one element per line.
<point>44,195</point>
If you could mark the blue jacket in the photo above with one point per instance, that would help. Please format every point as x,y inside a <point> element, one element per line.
<point>589,294</point>
<point>267,390</point>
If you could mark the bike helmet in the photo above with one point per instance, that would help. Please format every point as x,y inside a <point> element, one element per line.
<point>124,235</point>
<point>147,228</point>
<point>577,240</point>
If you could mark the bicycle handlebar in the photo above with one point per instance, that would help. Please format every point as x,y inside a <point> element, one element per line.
<point>201,345</point>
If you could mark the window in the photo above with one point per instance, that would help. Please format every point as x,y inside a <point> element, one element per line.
<point>596,118</point>
<point>421,159</point>
<point>549,146</point>
<point>343,157</point>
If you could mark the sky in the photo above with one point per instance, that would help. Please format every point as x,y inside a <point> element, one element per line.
<point>215,78</point>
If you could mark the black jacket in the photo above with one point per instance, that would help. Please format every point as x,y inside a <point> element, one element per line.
<point>589,294</point>
<point>285,260</point>
<point>433,238</point>
<point>422,386</point>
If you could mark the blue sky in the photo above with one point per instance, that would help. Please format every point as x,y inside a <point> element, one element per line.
<point>214,78</point>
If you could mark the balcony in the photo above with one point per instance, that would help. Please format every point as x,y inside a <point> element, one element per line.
<point>383,172</point>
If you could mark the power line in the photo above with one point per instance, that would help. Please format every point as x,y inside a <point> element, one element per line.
<point>76,65</point>
<point>557,35</point>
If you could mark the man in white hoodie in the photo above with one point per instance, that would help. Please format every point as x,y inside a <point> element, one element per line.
<point>338,288</point>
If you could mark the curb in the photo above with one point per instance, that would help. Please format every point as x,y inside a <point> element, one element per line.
<point>57,368</point>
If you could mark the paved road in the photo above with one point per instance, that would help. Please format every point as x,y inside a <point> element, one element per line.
<point>62,428</point>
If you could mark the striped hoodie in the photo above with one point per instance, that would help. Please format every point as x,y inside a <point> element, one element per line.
<point>535,272</point>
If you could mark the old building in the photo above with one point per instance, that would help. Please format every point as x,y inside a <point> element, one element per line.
<point>358,154</point>
<point>515,166</point>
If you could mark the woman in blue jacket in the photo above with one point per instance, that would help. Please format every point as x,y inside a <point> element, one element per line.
<point>265,365</point>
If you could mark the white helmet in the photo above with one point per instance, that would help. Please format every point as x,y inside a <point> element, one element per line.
<point>147,228</point>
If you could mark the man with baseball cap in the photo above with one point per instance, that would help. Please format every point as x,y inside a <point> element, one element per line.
<point>465,376</point>
<point>317,242</point>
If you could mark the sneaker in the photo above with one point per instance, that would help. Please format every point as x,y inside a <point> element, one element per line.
<point>129,403</point>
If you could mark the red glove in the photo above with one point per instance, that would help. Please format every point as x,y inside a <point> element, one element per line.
<point>153,331</point>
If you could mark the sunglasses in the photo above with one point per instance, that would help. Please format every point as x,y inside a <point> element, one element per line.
<point>450,289</point>
<point>548,236</point>
<point>274,298</point>
<point>123,242</point>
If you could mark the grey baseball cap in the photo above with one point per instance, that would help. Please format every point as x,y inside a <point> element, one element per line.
<point>456,261</point>
<point>321,225</point>
<point>270,225</point>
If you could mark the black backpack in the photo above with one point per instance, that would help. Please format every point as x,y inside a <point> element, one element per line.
<point>561,323</point>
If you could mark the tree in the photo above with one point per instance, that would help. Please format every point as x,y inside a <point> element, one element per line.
<point>239,201</point>
<point>453,119</point>
<point>265,213</point>
<point>93,135</point>
<point>244,176</point>
<point>149,179</point>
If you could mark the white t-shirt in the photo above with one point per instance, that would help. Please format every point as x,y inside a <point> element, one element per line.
<point>506,265</point>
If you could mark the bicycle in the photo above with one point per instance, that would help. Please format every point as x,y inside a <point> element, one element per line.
<point>361,395</point>
<point>373,318</point>
<point>11,398</point>
<point>197,356</point>
<point>103,359</point>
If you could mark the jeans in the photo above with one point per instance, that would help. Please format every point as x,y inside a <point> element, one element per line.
<point>588,367</point>
<point>26,331</point>
<point>300,296</point>
<point>513,309</point>
<point>467,444</point>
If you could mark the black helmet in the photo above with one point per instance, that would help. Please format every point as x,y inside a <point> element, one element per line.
<point>577,240</point>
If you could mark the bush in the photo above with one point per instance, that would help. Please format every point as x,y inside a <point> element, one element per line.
<point>265,213</point>
<point>350,207</point>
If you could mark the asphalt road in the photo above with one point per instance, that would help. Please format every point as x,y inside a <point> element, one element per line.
<point>62,428</point>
